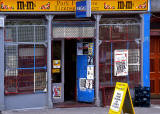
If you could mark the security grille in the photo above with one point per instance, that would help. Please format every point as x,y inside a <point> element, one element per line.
<point>83,30</point>
<point>119,35</point>
<point>25,59</point>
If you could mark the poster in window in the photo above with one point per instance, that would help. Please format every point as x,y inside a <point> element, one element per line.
<point>79,48</point>
<point>56,92</point>
<point>56,63</point>
<point>121,62</point>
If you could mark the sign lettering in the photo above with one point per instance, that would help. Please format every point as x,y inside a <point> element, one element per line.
<point>123,5</point>
<point>29,5</point>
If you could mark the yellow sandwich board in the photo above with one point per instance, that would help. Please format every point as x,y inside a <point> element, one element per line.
<point>121,100</point>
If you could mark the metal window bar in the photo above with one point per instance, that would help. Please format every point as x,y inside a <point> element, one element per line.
<point>70,30</point>
<point>29,75</point>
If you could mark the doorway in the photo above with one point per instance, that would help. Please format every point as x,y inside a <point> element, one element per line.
<point>155,66</point>
<point>70,50</point>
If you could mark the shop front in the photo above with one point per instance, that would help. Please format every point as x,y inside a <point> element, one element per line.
<point>51,57</point>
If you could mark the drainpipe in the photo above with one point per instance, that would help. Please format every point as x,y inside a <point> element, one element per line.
<point>97,102</point>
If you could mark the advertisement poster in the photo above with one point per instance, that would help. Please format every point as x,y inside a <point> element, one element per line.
<point>121,62</point>
<point>90,72</point>
<point>56,92</point>
<point>56,63</point>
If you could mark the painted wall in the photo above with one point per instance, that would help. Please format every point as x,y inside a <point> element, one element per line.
<point>25,101</point>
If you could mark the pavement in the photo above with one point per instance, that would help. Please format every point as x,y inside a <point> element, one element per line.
<point>154,109</point>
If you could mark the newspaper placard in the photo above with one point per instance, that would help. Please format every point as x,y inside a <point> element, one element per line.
<point>121,62</point>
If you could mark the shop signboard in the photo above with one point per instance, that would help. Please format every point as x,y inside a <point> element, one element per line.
<point>70,5</point>
<point>83,8</point>
<point>121,62</point>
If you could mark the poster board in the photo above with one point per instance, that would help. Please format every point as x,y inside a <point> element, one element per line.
<point>121,100</point>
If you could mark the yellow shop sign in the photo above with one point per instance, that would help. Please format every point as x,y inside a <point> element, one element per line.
<point>70,5</point>
<point>121,100</point>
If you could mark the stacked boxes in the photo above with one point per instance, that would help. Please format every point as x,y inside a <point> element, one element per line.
<point>142,97</point>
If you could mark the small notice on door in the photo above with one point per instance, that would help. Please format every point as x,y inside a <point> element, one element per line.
<point>90,72</point>
<point>89,84</point>
<point>56,63</point>
<point>121,62</point>
<point>82,84</point>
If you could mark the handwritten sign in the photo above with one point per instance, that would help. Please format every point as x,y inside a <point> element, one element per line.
<point>121,100</point>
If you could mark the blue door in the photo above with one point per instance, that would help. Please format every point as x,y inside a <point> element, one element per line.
<point>85,77</point>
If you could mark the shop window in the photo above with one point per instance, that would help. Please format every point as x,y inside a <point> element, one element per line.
<point>123,36</point>
<point>25,63</point>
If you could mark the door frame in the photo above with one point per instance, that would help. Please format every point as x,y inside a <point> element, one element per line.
<point>62,72</point>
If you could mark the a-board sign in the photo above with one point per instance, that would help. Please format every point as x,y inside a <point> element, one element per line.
<point>121,100</point>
